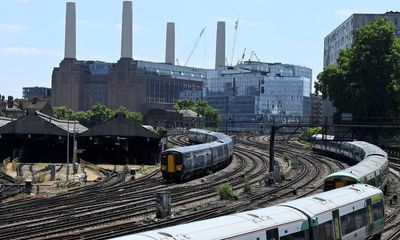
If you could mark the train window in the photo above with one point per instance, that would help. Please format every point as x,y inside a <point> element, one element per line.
<point>329,185</point>
<point>324,231</point>
<point>294,236</point>
<point>360,218</point>
<point>378,210</point>
<point>272,234</point>
<point>353,221</point>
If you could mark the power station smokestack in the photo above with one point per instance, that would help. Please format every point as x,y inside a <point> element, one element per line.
<point>70,31</point>
<point>220,50</point>
<point>170,44</point>
<point>126,38</point>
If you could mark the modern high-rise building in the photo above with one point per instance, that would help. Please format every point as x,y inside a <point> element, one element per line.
<point>342,36</point>
<point>254,92</point>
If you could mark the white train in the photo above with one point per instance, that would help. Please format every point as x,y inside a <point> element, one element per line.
<point>372,163</point>
<point>352,212</point>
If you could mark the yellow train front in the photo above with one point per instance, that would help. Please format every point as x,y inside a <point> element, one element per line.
<point>172,165</point>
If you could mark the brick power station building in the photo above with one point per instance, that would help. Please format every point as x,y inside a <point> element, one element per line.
<point>137,85</point>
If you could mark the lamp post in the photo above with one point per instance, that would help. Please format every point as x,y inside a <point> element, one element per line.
<point>67,149</point>
<point>74,154</point>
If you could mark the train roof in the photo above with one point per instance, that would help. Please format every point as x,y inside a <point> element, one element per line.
<point>189,148</point>
<point>226,226</point>
<point>322,137</point>
<point>363,168</point>
<point>198,130</point>
<point>327,201</point>
<point>369,149</point>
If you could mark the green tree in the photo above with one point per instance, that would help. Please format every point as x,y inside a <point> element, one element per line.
<point>133,116</point>
<point>82,117</point>
<point>182,104</point>
<point>63,113</point>
<point>97,114</point>
<point>366,80</point>
<point>201,107</point>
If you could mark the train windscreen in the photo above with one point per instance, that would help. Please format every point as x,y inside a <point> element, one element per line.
<point>338,182</point>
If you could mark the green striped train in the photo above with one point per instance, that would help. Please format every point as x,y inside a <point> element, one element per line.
<point>351,212</point>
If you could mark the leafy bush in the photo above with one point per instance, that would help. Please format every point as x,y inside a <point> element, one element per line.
<point>248,188</point>
<point>225,192</point>
<point>294,163</point>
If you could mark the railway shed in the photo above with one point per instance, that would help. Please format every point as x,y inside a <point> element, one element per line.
<point>36,137</point>
<point>119,140</point>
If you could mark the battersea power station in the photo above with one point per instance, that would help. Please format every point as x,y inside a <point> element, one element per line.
<point>137,85</point>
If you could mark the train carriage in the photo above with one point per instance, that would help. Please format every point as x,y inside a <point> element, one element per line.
<point>373,170</point>
<point>352,212</point>
<point>183,163</point>
<point>372,165</point>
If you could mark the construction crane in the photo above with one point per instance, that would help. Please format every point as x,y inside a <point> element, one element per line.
<point>243,54</point>
<point>234,42</point>
<point>255,55</point>
<point>193,48</point>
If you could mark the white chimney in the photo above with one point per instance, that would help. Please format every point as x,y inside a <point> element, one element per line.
<point>220,49</point>
<point>127,29</point>
<point>70,31</point>
<point>170,44</point>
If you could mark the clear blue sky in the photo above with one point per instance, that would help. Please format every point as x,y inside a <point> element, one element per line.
<point>287,31</point>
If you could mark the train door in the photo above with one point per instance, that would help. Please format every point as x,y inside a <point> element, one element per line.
<point>370,215</point>
<point>273,234</point>
<point>170,163</point>
<point>336,225</point>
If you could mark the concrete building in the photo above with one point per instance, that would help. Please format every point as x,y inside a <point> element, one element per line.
<point>40,93</point>
<point>342,36</point>
<point>322,110</point>
<point>137,85</point>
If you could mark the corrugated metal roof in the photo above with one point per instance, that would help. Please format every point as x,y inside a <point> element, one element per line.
<point>4,121</point>
<point>119,125</point>
<point>39,123</point>
<point>66,125</point>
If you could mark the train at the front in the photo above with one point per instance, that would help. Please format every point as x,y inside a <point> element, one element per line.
<point>372,164</point>
<point>213,151</point>
<point>352,212</point>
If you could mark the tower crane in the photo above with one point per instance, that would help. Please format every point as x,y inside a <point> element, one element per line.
<point>193,48</point>
<point>234,42</point>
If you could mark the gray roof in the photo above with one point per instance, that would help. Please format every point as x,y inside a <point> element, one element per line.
<point>120,126</point>
<point>188,113</point>
<point>72,126</point>
<point>4,121</point>
<point>35,122</point>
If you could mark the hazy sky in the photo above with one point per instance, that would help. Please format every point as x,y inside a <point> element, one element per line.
<point>287,31</point>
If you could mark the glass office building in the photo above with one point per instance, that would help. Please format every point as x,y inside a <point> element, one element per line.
<point>251,93</point>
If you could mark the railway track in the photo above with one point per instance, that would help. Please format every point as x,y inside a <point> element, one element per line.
<point>8,186</point>
<point>392,229</point>
<point>116,208</point>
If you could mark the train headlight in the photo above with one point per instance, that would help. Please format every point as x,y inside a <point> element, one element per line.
<point>163,167</point>
<point>178,167</point>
